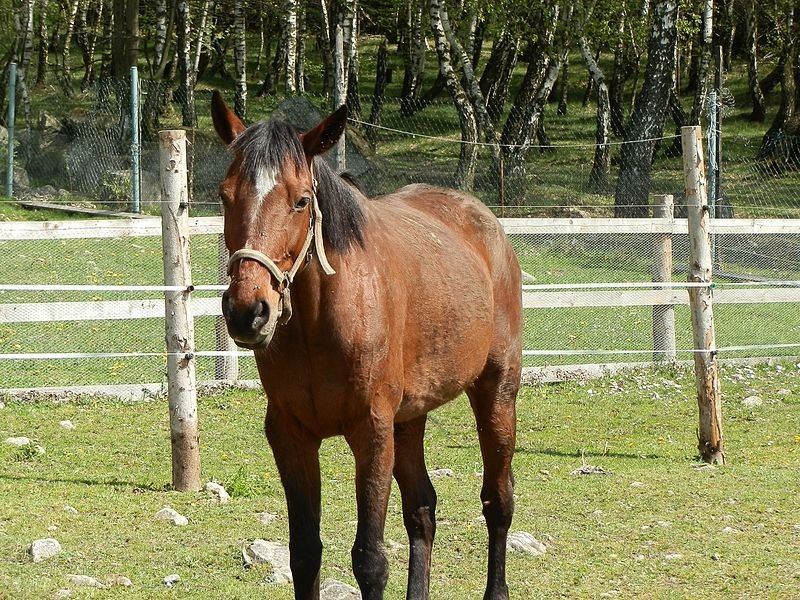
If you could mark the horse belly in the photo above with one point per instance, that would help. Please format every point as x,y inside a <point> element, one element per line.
<point>451,350</point>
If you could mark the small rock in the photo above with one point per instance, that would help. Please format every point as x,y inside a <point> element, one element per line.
<point>219,491</point>
<point>780,392</point>
<point>43,549</point>
<point>522,541</point>
<point>66,424</point>
<point>336,590</point>
<point>664,523</point>
<point>715,556</point>
<point>271,553</point>
<point>2,404</point>
<point>169,514</point>
<point>393,546</point>
<point>730,530</point>
<point>439,473</point>
<point>590,470</point>
<point>637,484</point>
<point>18,441</point>
<point>64,593</point>
<point>752,401</point>
<point>673,556</point>
<point>70,509</point>
<point>171,580</point>
<point>52,528</point>
<point>266,517</point>
<point>119,580</point>
<point>85,581</point>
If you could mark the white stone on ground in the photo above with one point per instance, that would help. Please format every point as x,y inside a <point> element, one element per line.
<point>171,580</point>
<point>70,509</point>
<point>673,556</point>
<point>336,590</point>
<point>64,593</point>
<point>215,488</point>
<point>43,549</point>
<point>18,441</point>
<point>67,424</point>
<point>522,541</point>
<point>266,517</point>
<point>170,514</point>
<point>439,473</point>
<point>119,580</point>
<point>393,546</point>
<point>85,581</point>
<point>271,553</point>
<point>752,401</point>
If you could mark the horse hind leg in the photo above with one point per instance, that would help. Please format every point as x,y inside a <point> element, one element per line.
<point>419,504</point>
<point>493,400</point>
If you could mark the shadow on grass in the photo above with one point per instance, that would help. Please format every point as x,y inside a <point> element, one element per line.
<point>576,454</point>
<point>113,482</point>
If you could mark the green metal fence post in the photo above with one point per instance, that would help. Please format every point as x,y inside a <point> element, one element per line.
<point>12,95</point>
<point>136,205</point>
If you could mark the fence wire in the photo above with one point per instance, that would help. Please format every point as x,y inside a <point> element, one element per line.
<point>82,157</point>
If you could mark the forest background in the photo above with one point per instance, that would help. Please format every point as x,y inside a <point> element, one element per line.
<point>512,85</point>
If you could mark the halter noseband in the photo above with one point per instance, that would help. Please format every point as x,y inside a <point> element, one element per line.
<point>285,278</point>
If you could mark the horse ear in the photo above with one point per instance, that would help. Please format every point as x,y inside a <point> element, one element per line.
<point>324,135</point>
<point>226,123</point>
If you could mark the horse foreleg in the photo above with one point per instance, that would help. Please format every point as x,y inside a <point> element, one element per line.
<point>493,399</point>
<point>373,447</point>
<point>419,503</point>
<point>297,457</point>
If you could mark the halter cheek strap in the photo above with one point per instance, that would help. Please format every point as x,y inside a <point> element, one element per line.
<point>285,278</point>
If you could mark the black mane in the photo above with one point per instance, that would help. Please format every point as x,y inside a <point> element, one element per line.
<point>268,145</point>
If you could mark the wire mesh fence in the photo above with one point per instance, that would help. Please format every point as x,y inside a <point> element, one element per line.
<point>84,157</point>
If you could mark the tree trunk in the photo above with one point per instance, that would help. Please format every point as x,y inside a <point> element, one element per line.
<point>125,48</point>
<point>647,121</point>
<point>161,35</point>
<point>381,79</point>
<point>185,90</point>
<point>563,87</point>
<point>600,176</point>
<point>353,92</point>
<point>300,64</point>
<point>619,75</point>
<point>166,54</point>
<point>465,172</point>
<point>107,42</point>
<point>704,63</point>
<point>41,34</point>
<point>414,60</point>
<point>787,108</point>
<point>325,49</point>
<point>23,24</point>
<point>240,60</point>
<point>759,113</point>
<point>290,35</point>
<point>202,35</point>
<point>496,77</point>
<point>66,67</point>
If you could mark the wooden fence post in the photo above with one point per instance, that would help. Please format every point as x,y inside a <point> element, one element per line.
<point>225,367</point>
<point>701,298</point>
<point>664,350</point>
<point>179,324</point>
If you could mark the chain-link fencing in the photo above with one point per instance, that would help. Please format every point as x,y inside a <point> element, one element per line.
<point>83,157</point>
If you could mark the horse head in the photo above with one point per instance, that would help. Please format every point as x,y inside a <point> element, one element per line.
<point>271,215</point>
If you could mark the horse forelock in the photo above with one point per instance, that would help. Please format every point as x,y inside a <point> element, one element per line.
<point>266,148</point>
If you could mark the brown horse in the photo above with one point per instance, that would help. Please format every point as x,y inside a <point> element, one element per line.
<point>366,314</point>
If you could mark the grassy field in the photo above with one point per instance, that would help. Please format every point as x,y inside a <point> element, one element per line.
<point>658,525</point>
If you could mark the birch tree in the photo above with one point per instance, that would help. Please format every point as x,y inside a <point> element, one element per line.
<point>414,56</point>
<point>240,60</point>
<point>647,120</point>
<point>66,67</point>
<point>759,112</point>
<point>43,44</point>
<point>704,62</point>
<point>600,176</point>
<point>185,72</point>
<point>465,172</point>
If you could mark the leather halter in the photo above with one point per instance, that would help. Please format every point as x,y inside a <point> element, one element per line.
<point>285,278</point>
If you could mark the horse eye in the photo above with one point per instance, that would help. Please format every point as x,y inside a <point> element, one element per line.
<point>302,203</point>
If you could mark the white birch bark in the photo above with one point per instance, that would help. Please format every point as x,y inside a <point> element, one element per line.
<point>465,173</point>
<point>44,44</point>
<point>290,33</point>
<point>161,33</point>
<point>202,35</point>
<point>66,67</point>
<point>240,59</point>
<point>600,176</point>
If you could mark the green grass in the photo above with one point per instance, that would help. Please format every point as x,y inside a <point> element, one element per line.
<point>606,534</point>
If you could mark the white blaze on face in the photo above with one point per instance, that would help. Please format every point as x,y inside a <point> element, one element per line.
<point>265,182</point>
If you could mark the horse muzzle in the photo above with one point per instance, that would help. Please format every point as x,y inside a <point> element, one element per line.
<point>251,325</point>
